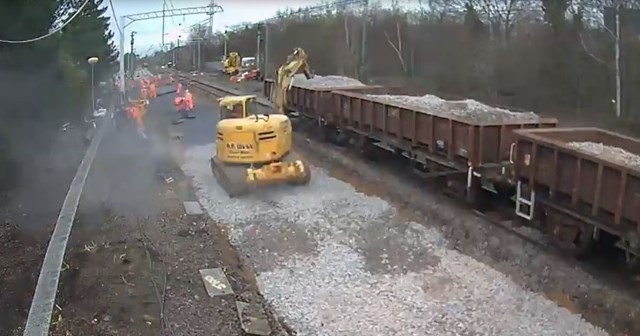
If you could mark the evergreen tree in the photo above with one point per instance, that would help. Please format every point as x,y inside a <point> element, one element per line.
<point>89,35</point>
<point>25,19</point>
<point>48,77</point>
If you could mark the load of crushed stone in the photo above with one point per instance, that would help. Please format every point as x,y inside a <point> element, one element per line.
<point>614,154</point>
<point>468,108</point>
<point>317,82</point>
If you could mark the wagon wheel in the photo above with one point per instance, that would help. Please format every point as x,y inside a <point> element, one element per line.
<point>584,242</point>
<point>577,239</point>
<point>319,131</point>
<point>341,137</point>
<point>365,147</point>
<point>632,261</point>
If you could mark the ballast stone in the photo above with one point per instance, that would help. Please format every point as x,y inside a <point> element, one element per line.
<point>468,108</point>
<point>611,153</point>
<point>317,82</point>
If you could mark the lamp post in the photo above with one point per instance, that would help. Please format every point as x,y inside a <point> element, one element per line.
<point>225,43</point>
<point>93,61</point>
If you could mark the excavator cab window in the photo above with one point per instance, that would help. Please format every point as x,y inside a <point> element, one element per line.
<point>251,107</point>
<point>229,113</point>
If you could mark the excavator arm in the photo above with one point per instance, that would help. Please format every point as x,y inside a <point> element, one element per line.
<point>296,63</point>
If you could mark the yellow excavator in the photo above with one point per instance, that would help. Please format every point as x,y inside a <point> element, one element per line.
<point>255,149</point>
<point>231,64</point>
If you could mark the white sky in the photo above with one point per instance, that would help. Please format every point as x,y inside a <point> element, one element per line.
<point>149,32</point>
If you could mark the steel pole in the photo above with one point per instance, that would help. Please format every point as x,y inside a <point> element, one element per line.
<point>258,52</point>
<point>225,45</point>
<point>93,87</point>
<point>267,50</point>
<point>164,7</point>
<point>122,82</point>
<point>617,52</point>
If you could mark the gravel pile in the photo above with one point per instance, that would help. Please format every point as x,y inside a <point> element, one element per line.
<point>317,82</point>
<point>468,109</point>
<point>336,262</point>
<point>614,154</point>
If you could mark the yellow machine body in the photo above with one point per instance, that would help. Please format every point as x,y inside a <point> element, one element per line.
<point>254,149</point>
<point>231,64</point>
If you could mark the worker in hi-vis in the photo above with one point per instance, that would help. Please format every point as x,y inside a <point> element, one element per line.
<point>190,104</point>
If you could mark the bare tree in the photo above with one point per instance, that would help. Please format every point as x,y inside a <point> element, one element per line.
<point>397,46</point>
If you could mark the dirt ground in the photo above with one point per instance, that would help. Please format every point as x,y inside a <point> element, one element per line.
<point>132,266</point>
<point>28,217</point>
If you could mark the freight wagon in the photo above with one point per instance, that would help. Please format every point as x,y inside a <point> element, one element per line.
<point>312,103</point>
<point>470,149</point>
<point>580,183</point>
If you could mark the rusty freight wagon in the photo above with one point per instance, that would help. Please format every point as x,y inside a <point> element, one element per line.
<point>468,143</point>
<point>579,183</point>
<point>312,103</point>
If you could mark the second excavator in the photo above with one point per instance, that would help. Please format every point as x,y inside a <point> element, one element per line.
<point>231,64</point>
<point>296,63</point>
<point>255,149</point>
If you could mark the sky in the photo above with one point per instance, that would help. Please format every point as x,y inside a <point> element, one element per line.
<point>148,36</point>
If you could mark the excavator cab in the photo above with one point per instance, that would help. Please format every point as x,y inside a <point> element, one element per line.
<point>237,106</point>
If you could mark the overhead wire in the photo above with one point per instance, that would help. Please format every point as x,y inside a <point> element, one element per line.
<point>51,33</point>
<point>115,17</point>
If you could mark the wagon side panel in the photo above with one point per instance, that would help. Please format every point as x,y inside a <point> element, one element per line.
<point>596,189</point>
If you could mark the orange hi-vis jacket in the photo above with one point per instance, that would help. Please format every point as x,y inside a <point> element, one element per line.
<point>180,103</point>
<point>188,98</point>
<point>132,111</point>
<point>136,113</point>
<point>144,93</point>
<point>152,90</point>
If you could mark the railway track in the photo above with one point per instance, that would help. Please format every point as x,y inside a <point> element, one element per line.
<point>499,214</point>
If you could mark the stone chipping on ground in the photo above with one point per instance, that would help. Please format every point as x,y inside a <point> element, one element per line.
<point>363,269</point>
<point>611,153</point>
<point>318,82</point>
<point>468,108</point>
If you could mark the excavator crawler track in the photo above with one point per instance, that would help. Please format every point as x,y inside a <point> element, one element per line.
<point>231,178</point>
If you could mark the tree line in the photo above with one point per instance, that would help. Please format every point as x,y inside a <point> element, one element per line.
<point>47,82</point>
<point>549,56</point>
